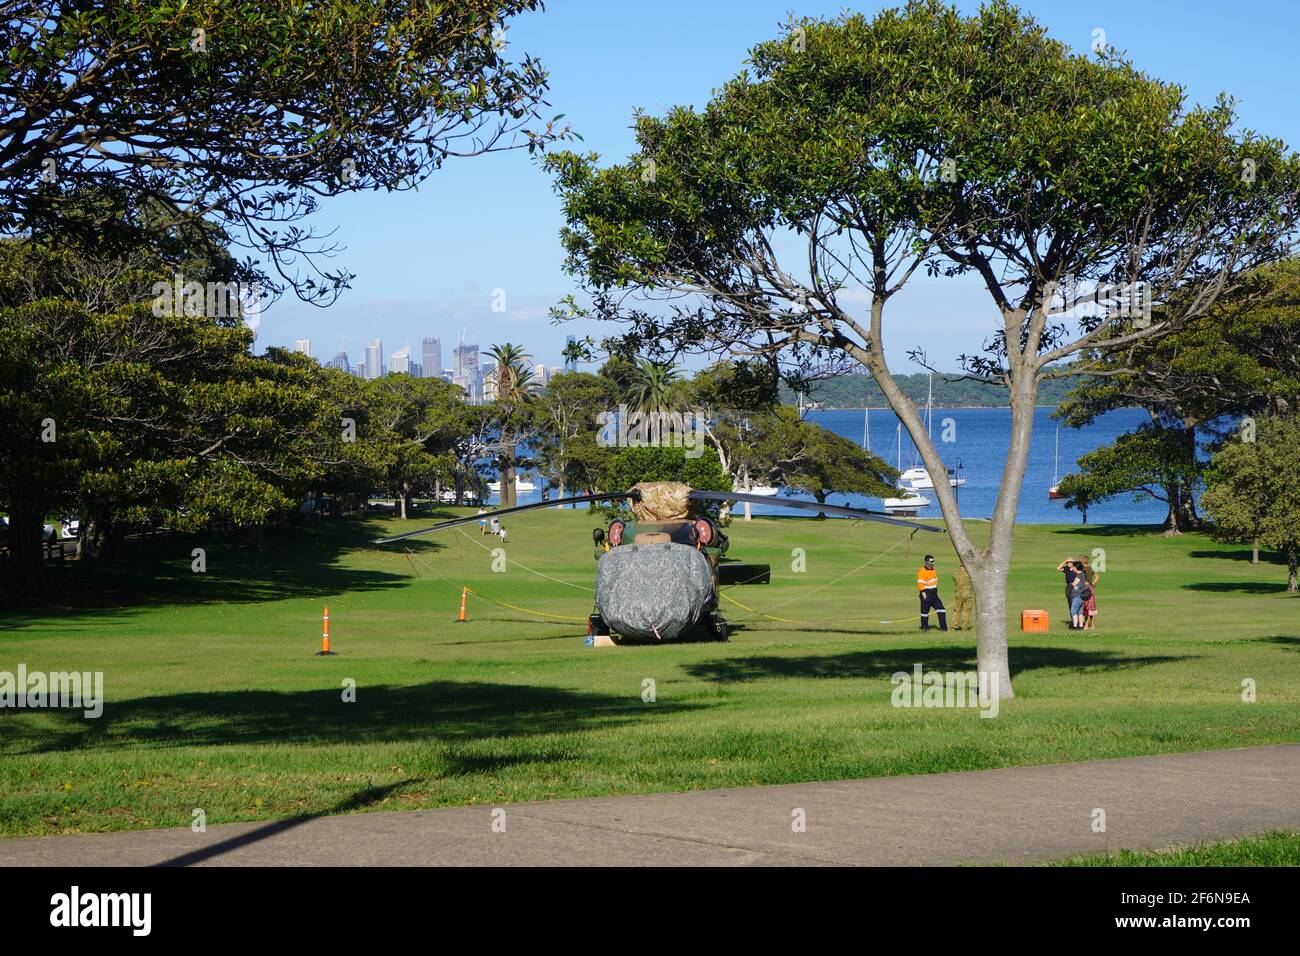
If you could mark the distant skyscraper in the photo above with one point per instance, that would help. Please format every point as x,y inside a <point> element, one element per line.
<point>570,363</point>
<point>417,370</point>
<point>467,373</point>
<point>431,357</point>
<point>375,359</point>
<point>341,362</point>
<point>360,370</point>
<point>400,361</point>
<point>303,346</point>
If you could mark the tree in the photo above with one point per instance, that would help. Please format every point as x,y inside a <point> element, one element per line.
<point>652,386</point>
<point>923,139</point>
<point>512,411</point>
<point>416,421</point>
<point>245,114</point>
<point>568,410</point>
<point>1150,462</point>
<point>809,458</point>
<point>1234,361</point>
<point>662,463</point>
<point>1252,489</point>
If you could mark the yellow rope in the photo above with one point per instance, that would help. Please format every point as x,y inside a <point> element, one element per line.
<point>516,607</point>
<point>513,607</point>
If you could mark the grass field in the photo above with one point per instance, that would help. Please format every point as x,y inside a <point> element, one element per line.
<point>1271,849</point>
<point>215,700</point>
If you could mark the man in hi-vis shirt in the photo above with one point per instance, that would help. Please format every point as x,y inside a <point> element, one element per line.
<point>927,583</point>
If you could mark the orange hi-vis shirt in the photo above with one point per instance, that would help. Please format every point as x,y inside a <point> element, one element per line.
<point>927,578</point>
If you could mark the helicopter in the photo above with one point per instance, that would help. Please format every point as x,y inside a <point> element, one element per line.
<point>657,576</point>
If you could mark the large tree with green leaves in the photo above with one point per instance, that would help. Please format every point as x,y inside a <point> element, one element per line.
<point>853,153</point>
<point>245,114</point>
<point>1252,489</point>
<point>1238,359</point>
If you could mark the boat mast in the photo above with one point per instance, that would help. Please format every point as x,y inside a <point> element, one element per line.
<point>866,430</point>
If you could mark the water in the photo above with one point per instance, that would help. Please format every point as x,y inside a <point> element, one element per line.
<point>979,447</point>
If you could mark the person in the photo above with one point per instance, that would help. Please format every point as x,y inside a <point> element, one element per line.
<point>496,524</point>
<point>1066,567</point>
<point>927,584</point>
<point>482,521</point>
<point>1077,588</point>
<point>964,596</point>
<point>1089,596</point>
<point>503,535</point>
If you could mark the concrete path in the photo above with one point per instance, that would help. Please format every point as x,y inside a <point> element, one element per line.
<point>1017,815</point>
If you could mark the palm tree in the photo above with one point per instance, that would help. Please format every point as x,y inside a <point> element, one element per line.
<point>651,385</point>
<point>514,384</point>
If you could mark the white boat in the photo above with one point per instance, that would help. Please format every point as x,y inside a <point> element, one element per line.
<point>1053,493</point>
<point>907,504</point>
<point>521,484</point>
<point>919,479</point>
<point>767,491</point>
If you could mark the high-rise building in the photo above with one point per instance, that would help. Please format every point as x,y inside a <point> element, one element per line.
<point>467,373</point>
<point>375,359</point>
<point>360,370</point>
<point>417,370</point>
<point>431,357</point>
<point>570,363</point>
<point>341,362</point>
<point>400,361</point>
<point>303,346</point>
<point>541,375</point>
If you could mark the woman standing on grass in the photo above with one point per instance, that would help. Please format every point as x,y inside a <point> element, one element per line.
<point>1090,577</point>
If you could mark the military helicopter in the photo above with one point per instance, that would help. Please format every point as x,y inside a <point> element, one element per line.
<point>657,576</point>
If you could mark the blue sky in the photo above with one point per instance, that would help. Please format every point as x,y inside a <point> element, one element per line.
<point>427,262</point>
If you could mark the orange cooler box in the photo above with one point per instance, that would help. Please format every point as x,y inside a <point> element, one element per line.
<point>1033,621</point>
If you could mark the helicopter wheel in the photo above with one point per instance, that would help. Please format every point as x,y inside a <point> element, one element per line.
<point>720,628</point>
<point>596,625</point>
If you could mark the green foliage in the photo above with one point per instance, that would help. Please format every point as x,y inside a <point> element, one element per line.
<point>1253,488</point>
<point>250,111</point>
<point>1145,463</point>
<point>806,457</point>
<point>631,465</point>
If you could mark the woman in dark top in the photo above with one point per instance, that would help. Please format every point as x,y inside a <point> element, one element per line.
<point>1074,579</point>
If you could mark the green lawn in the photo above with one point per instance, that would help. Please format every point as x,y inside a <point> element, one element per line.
<point>1272,849</point>
<point>215,699</point>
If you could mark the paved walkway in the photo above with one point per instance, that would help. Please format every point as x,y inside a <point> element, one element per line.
<point>1017,815</point>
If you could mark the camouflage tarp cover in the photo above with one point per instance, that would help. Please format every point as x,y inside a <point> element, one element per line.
<point>642,589</point>
<point>662,501</point>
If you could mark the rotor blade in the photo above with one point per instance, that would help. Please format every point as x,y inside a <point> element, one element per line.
<point>469,519</point>
<point>810,506</point>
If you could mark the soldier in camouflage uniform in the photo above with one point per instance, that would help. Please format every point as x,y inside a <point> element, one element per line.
<point>964,599</point>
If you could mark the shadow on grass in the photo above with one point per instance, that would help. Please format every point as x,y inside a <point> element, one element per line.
<point>883,663</point>
<point>1112,530</point>
<point>1225,587</point>
<point>446,711</point>
<point>1265,557</point>
<point>362,798</point>
<point>296,562</point>
<point>1288,642</point>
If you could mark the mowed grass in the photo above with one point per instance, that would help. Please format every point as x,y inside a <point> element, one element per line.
<point>1271,849</point>
<point>215,699</point>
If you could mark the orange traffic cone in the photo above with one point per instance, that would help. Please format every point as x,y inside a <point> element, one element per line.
<point>325,637</point>
<point>464,596</point>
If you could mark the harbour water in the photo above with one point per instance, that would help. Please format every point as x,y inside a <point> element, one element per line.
<point>974,441</point>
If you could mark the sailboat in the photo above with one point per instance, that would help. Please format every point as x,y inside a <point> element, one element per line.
<point>1052,493</point>
<point>919,479</point>
<point>909,502</point>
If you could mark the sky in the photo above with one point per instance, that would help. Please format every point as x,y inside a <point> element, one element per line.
<point>428,262</point>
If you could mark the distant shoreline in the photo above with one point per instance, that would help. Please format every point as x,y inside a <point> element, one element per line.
<point>886,408</point>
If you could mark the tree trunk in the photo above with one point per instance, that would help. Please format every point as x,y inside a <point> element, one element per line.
<point>26,555</point>
<point>1291,584</point>
<point>821,500</point>
<point>1254,551</point>
<point>748,485</point>
<point>507,474</point>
